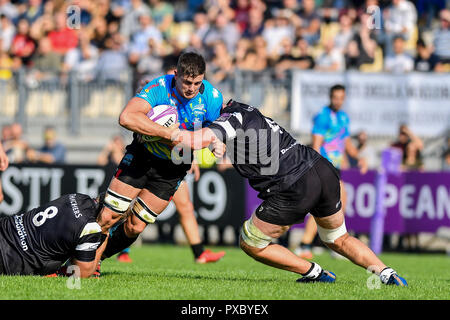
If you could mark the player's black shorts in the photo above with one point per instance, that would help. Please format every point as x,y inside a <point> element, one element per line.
<point>143,170</point>
<point>316,192</point>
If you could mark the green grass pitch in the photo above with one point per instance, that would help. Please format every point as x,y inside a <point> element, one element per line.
<point>168,272</point>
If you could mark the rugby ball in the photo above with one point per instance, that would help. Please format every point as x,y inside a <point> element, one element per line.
<point>164,115</point>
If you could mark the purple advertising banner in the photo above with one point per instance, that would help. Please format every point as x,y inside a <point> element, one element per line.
<point>414,201</point>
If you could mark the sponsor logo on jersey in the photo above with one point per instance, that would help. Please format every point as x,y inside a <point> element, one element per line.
<point>74,205</point>
<point>283,151</point>
<point>18,221</point>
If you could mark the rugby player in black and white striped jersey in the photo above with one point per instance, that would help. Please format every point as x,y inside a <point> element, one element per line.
<point>41,240</point>
<point>293,180</point>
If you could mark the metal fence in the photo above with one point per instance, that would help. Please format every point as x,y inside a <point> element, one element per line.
<point>25,96</point>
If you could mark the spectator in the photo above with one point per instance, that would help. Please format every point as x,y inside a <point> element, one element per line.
<point>442,38</point>
<point>16,148</point>
<point>275,30</point>
<point>201,25</point>
<point>148,31</point>
<point>427,10</point>
<point>221,66</point>
<point>112,63</point>
<point>6,68</point>
<point>242,47</point>
<point>310,23</point>
<point>7,32</point>
<point>9,10</point>
<point>6,134</point>
<point>426,60</point>
<point>128,25</point>
<point>255,26</point>
<point>113,152</point>
<point>294,58</point>
<point>33,11</point>
<point>399,62</point>
<point>100,33</point>
<point>345,33</point>
<point>400,20</point>
<point>23,46</point>
<point>224,30</point>
<point>331,60</point>
<point>62,38</point>
<point>83,59</point>
<point>151,63</point>
<point>241,14</point>
<point>51,152</point>
<point>291,10</point>
<point>411,147</point>
<point>46,63</point>
<point>365,151</point>
<point>361,49</point>
<point>162,15</point>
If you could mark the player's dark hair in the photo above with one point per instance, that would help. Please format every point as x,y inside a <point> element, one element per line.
<point>336,87</point>
<point>191,64</point>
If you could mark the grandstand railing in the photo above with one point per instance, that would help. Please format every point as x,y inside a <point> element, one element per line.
<point>25,97</point>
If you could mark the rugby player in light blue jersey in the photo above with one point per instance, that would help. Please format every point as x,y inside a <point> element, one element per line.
<point>331,138</point>
<point>146,174</point>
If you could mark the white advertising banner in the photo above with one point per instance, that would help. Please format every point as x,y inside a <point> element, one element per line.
<point>376,102</point>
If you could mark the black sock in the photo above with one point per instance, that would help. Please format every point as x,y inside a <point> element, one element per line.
<point>117,242</point>
<point>197,249</point>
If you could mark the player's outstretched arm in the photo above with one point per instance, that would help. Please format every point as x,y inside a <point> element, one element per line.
<point>134,118</point>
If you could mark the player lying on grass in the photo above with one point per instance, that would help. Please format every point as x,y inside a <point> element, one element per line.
<point>293,180</point>
<point>41,240</point>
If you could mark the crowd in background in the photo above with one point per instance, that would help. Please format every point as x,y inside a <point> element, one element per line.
<point>101,38</point>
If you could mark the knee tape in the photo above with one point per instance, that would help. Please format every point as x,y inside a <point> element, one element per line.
<point>331,235</point>
<point>116,202</point>
<point>253,236</point>
<point>143,212</point>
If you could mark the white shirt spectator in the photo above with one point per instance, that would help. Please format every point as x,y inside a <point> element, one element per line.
<point>332,59</point>
<point>85,67</point>
<point>274,34</point>
<point>7,33</point>
<point>129,24</point>
<point>8,9</point>
<point>141,39</point>
<point>402,14</point>
<point>399,63</point>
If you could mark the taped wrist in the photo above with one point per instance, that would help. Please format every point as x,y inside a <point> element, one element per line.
<point>314,272</point>
<point>117,242</point>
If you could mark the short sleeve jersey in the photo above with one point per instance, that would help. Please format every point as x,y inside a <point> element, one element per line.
<point>334,128</point>
<point>193,114</point>
<point>39,241</point>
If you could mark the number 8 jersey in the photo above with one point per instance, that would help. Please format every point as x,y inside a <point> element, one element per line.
<point>41,240</point>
